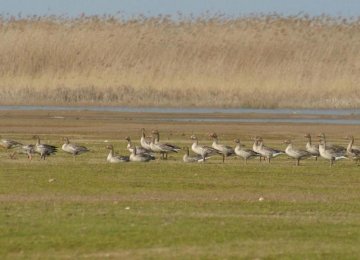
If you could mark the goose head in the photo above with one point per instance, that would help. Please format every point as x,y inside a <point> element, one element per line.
<point>307,136</point>
<point>213,135</point>
<point>37,138</point>
<point>321,136</point>
<point>287,141</point>
<point>237,141</point>
<point>155,132</point>
<point>193,137</point>
<point>143,132</point>
<point>186,149</point>
<point>110,147</point>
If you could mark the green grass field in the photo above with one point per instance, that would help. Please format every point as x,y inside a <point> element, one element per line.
<point>60,208</point>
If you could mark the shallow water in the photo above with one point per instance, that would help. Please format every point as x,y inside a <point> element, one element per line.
<point>339,112</point>
<point>207,111</point>
<point>268,120</point>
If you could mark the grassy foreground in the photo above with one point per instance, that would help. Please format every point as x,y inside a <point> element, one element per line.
<point>255,61</point>
<point>87,208</point>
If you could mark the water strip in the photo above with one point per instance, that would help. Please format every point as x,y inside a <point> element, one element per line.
<point>336,112</point>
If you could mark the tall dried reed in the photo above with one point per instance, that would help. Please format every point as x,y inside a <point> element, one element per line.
<point>255,61</point>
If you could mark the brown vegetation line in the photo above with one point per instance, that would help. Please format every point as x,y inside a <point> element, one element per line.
<point>268,61</point>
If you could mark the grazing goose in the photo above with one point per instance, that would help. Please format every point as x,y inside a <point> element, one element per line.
<point>312,148</point>
<point>202,150</point>
<point>144,143</point>
<point>162,148</point>
<point>112,158</point>
<point>331,153</point>
<point>10,144</point>
<point>267,152</point>
<point>295,153</point>
<point>73,149</point>
<point>244,152</point>
<point>44,149</point>
<point>140,157</point>
<point>139,149</point>
<point>352,152</point>
<point>28,149</point>
<point>225,150</point>
<point>194,158</point>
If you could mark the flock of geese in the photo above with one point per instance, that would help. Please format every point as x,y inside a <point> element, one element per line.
<point>150,146</point>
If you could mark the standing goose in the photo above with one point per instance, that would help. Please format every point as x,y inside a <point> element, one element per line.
<point>73,149</point>
<point>190,159</point>
<point>162,148</point>
<point>267,152</point>
<point>312,148</point>
<point>202,150</point>
<point>140,157</point>
<point>225,150</point>
<point>139,149</point>
<point>352,152</point>
<point>331,153</point>
<point>44,149</point>
<point>256,146</point>
<point>112,158</point>
<point>244,152</point>
<point>295,153</point>
<point>10,144</point>
<point>351,143</point>
<point>143,141</point>
<point>335,147</point>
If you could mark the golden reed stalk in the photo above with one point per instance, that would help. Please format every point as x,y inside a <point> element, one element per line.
<point>256,61</point>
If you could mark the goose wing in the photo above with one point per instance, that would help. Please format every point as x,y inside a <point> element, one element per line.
<point>46,149</point>
<point>78,149</point>
<point>120,158</point>
<point>336,148</point>
<point>167,148</point>
<point>209,150</point>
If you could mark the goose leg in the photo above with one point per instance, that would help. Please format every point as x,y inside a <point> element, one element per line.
<point>298,162</point>
<point>223,158</point>
<point>315,158</point>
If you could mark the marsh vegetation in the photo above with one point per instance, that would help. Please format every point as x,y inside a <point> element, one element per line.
<point>255,61</point>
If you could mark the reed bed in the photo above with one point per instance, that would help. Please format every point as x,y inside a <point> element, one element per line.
<point>255,61</point>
